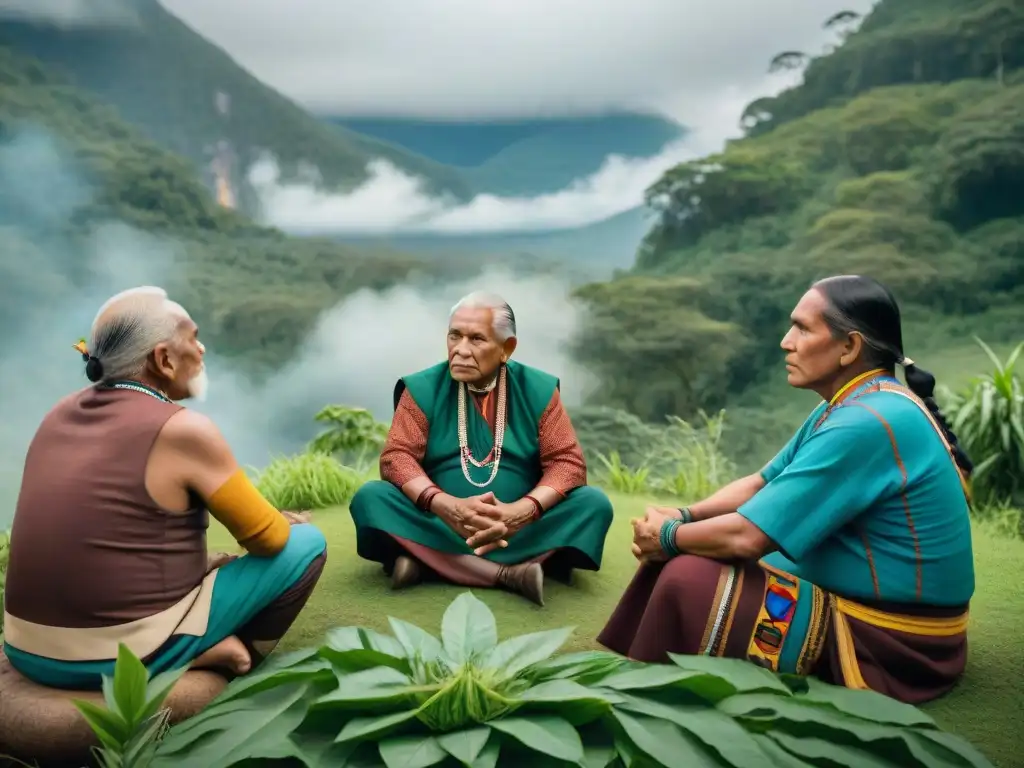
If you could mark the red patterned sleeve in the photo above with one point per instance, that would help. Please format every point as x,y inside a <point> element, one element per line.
<point>561,458</point>
<point>406,443</point>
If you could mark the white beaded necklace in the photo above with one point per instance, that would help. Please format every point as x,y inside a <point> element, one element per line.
<point>465,454</point>
<point>134,387</point>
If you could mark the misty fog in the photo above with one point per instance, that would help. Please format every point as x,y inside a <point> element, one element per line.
<point>353,357</point>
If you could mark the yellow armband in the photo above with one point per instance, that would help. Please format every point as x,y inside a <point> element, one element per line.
<point>249,517</point>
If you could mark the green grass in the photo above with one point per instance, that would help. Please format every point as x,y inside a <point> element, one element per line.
<point>985,708</point>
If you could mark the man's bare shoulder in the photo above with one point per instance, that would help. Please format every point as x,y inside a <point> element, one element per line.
<point>195,435</point>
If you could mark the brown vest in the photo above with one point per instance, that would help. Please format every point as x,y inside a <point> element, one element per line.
<point>89,546</point>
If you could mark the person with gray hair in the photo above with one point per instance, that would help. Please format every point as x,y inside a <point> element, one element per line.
<point>109,538</point>
<point>483,482</point>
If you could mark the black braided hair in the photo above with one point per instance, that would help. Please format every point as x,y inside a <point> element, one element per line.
<point>863,305</point>
<point>922,384</point>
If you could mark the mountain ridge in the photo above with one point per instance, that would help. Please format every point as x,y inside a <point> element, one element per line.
<point>163,77</point>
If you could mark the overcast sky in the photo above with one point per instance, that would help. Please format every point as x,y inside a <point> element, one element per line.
<point>512,58</point>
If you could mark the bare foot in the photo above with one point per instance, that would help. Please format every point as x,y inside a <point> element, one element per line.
<point>230,653</point>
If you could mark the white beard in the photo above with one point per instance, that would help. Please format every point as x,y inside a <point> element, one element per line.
<point>199,385</point>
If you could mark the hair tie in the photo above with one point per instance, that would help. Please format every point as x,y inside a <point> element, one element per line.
<point>83,349</point>
<point>906,362</point>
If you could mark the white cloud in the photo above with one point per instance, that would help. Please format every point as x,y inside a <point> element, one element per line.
<point>697,63</point>
<point>362,347</point>
<point>354,356</point>
<point>510,58</point>
<point>390,200</point>
<point>393,201</point>
<point>72,13</point>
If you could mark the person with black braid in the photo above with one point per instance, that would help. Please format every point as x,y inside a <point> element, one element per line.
<point>848,556</point>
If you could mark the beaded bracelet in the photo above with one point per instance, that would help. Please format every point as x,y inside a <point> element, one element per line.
<point>668,537</point>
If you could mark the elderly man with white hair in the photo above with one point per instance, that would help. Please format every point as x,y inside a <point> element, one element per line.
<point>483,482</point>
<point>109,538</point>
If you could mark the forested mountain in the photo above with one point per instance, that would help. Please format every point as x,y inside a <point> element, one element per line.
<point>163,77</point>
<point>900,156</point>
<point>70,165</point>
<point>525,157</point>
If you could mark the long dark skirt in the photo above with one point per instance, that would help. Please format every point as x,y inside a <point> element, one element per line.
<point>695,605</point>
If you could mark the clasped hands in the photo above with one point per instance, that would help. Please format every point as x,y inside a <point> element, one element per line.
<point>483,521</point>
<point>647,534</point>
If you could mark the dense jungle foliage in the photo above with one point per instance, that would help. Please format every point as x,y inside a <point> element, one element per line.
<point>69,165</point>
<point>900,156</point>
<point>163,77</point>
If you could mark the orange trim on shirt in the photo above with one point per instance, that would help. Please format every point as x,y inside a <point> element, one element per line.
<point>251,519</point>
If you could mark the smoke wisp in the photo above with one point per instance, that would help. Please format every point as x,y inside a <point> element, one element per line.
<point>354,356</point>
<point>393,201</point>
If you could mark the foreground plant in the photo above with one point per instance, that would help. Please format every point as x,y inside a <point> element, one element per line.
<point>134,719</point>
<point>414,700</point>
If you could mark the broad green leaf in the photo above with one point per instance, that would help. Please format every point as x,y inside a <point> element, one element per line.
<point>777,757</point>
<point>307,671</point>
<point>374,685</point>
<point>157,689</point>
<point>597,757</point>
<point>109,727</point>
<point>740,675</point>
<point>790,716</point>
<point>465,746</point>
<point>411,752</point>
<point>517,653</point>
<point>598,745</point>
<point>567,691</point>
<point>416,641</point>
<point>354,648</point>
<point>715,730</point>
<point>468,628</point>
<point>130,678</point>
<point>220,729</point>
<point>664,741</point>
<point>378,641</point>
<point>242,743</point>
<point>367,728</point>
<point>109,698</point>
<point>817,751</point>
<point>652,676</point>
<point>951,745</point>
<point>574,702</point>
<point>319,750</point>
<point>488,757</point>
<point>282,660</point>
<point>208,719</point>
<point>549,735</point>
<point>627,751</point>
<point>867,705</point>
<point>795,683</point>
<point>584,667</point>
